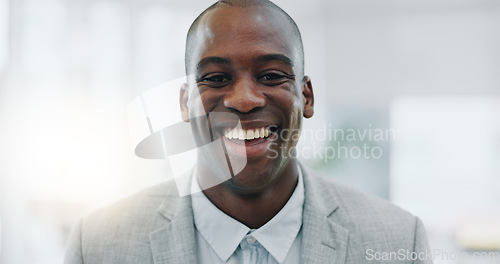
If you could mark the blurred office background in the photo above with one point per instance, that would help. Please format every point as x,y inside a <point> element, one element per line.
<point>427,71</point>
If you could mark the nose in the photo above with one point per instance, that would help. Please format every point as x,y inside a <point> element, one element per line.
<point>244,96</point>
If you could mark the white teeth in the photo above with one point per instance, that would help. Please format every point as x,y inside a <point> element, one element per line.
<point>241,134</point>
<point>228,133</point>
<point>248,134</point>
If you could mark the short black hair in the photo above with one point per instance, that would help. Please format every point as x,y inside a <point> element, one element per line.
<point>190,46</point>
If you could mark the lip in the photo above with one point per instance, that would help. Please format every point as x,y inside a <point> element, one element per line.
<point>245,124</point>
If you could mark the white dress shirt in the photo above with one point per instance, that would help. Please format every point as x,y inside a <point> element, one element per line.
<point>222,239</point>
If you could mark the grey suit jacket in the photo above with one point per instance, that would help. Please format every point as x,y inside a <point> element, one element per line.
<point>340,225</point>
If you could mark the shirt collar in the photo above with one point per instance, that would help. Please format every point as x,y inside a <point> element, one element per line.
<point>224,234</point>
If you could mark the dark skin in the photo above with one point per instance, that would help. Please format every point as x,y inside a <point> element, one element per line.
<point>246,63</point>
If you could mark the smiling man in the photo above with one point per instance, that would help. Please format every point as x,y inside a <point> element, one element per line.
<point>245,64</point>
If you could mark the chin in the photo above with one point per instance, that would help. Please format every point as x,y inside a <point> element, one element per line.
<point>245,188</point>
<point>254,179</point>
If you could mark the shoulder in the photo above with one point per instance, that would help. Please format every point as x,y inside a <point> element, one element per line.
<point>123,226</point>
<point>142,204</point>
<point>367,218</point>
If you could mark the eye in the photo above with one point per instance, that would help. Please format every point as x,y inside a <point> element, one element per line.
<point>270,77</point>
<point>214,80</point>
<point>217,78</point>
<point>274,78</point>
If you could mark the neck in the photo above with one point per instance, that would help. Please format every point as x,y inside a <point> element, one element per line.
<point>258,208</point>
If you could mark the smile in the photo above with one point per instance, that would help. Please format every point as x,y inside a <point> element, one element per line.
<point>249,143</point>
<point>247,134</point>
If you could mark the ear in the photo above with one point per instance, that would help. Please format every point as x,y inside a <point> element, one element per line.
<point>307,97</point>
<point>183,101</point>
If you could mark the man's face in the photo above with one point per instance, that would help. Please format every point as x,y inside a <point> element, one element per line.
<point>246,62</point>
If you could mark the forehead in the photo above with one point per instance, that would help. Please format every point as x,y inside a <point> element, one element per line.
<point>238,32</point>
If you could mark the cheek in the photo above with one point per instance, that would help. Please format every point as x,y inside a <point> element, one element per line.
<point>296,123</point>
<point>203,103</point>
<point>288,103</point>
<point>294,115</point>
<point>291,108</point>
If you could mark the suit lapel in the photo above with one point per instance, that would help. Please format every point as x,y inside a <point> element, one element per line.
<point>174,242</point>
<point>323,240</point>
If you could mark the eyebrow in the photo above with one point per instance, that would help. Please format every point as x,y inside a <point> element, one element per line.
<point>216,60</point>
<point>262,58</point>
<point>273,57</point>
